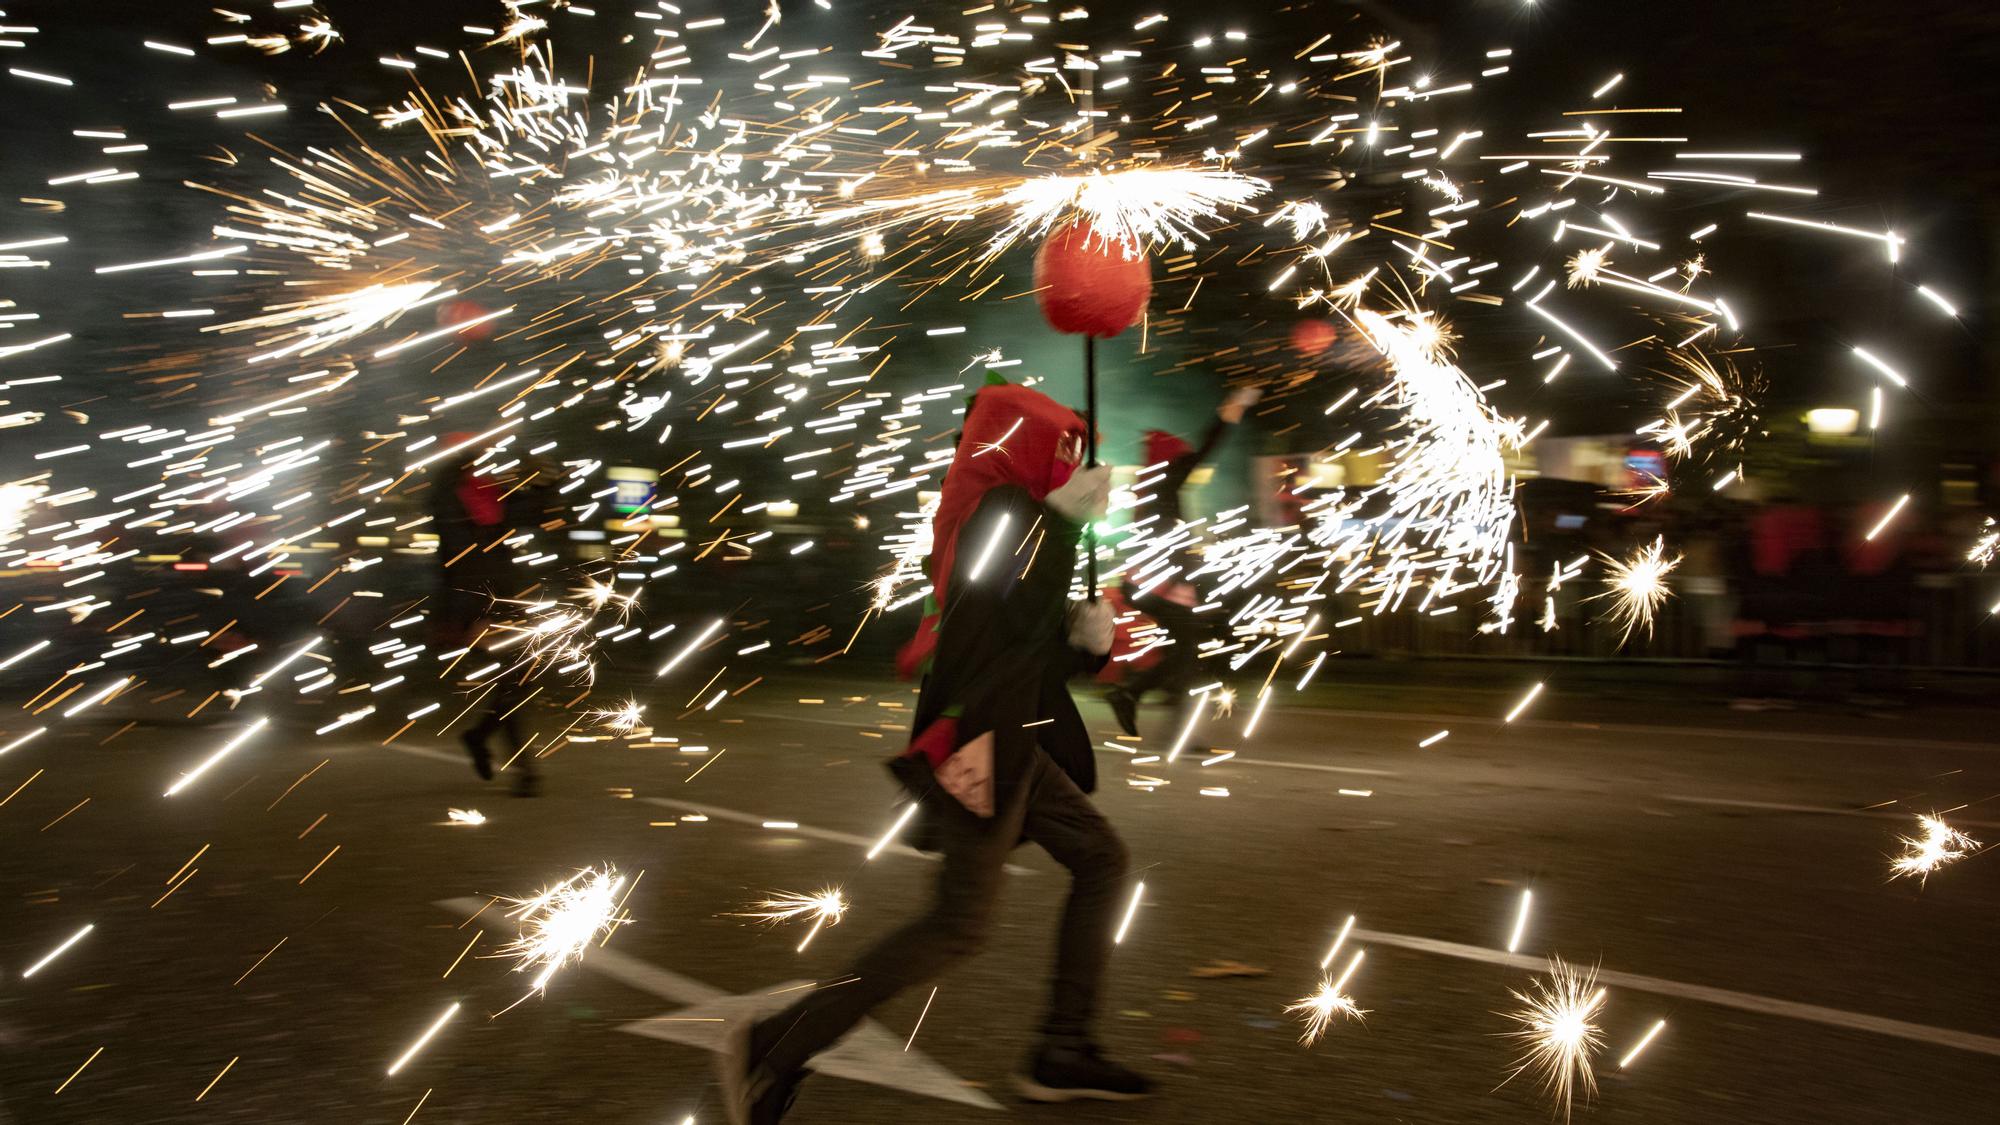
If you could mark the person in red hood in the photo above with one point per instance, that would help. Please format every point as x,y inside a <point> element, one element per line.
<point>469,510</point>
<point>1169,463</point>
<point>999,755</point>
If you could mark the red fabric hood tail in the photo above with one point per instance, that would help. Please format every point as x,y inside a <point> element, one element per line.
<point>1012,435</point>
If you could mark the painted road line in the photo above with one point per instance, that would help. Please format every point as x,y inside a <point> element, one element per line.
<point>714,812</point>
<point>459,759</point>
<point>873,689</point>
<point>737,816</point>
<point>1265,762</point>
<point>1270,763</point>
<point>1821,810</point>
<point>1701,993</point>
<point>1572,727</point>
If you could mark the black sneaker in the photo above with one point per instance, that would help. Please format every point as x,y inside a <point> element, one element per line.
<point>1125,707</point>
<point>1070,1073</point>
<point>482,758</point>
<point>751,1095</point>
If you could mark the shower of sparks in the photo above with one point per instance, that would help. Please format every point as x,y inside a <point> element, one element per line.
<point>1557,1036</point>
<point>1714,412</point>
<point>1135,209</point>
<point>1319,1009</point>
<point>560,923</point>
<point>468,817</point>
<point>1638,586</point>
<point>1938,845</point>
<point>826,908</point>
<point>688,246</point>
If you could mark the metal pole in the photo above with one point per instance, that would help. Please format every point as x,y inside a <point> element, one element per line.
<point>1090,438</point>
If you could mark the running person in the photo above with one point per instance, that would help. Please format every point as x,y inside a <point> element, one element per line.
<point>999,755</point>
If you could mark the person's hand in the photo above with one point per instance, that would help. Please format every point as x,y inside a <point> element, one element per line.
<point>1090,627</point>
<point>1085,497</point>
<point>1240,400</point>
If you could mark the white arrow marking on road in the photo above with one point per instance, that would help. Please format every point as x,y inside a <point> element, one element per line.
<point>866,1054</point>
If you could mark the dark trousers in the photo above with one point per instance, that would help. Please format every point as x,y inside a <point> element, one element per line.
<point>1049,809</point>
<point>503,715</point>
<point>1180,662</point>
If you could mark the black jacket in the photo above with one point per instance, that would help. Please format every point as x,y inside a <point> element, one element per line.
<point>1003,657</point>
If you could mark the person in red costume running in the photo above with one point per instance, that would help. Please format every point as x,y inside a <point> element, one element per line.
<point>998,755</point>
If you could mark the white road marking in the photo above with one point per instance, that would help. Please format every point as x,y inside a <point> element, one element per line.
<point>1650,730</point>
<point>866,1054</point>
<point>458,759</point>
<point>714,812</point>
<point>1270,763</point>
<point>1722,997</point>
<point>874,689</point>
<point>1822,810</point>
<point>1265,762</point>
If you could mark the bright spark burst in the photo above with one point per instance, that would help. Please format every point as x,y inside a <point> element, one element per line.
<point>1319,1009</point>
<point>624,718</point>
<point>1938,845</point>
<point>1637,586</point>
<point>825,907</point>
<point>1558,1036</point>
<point>1586,265</point>
<point>1980,554</point>
<point>558,924</point>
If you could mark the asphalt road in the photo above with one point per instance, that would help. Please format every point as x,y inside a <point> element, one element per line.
<point>1724,870</point>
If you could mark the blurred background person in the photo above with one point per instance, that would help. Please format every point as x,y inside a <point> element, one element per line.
<point>1170,460</point>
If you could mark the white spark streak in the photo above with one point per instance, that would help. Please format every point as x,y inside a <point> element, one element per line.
<point>1131,911</point>
<point>57,951</point>
<point>436,1026</point>
<point>227,748</point>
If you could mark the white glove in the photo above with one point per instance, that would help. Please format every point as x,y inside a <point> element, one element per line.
<point>1085,496</point>
<point>1090,627</point>
<point>1239,401</point>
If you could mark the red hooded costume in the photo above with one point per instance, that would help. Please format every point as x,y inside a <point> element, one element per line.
<point>1012,436</point>
<point>993,644</point>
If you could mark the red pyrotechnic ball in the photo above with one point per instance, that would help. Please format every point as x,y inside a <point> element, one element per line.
<point>1312,337</point>
<point>459,312</point>
<point>1090,285</point>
